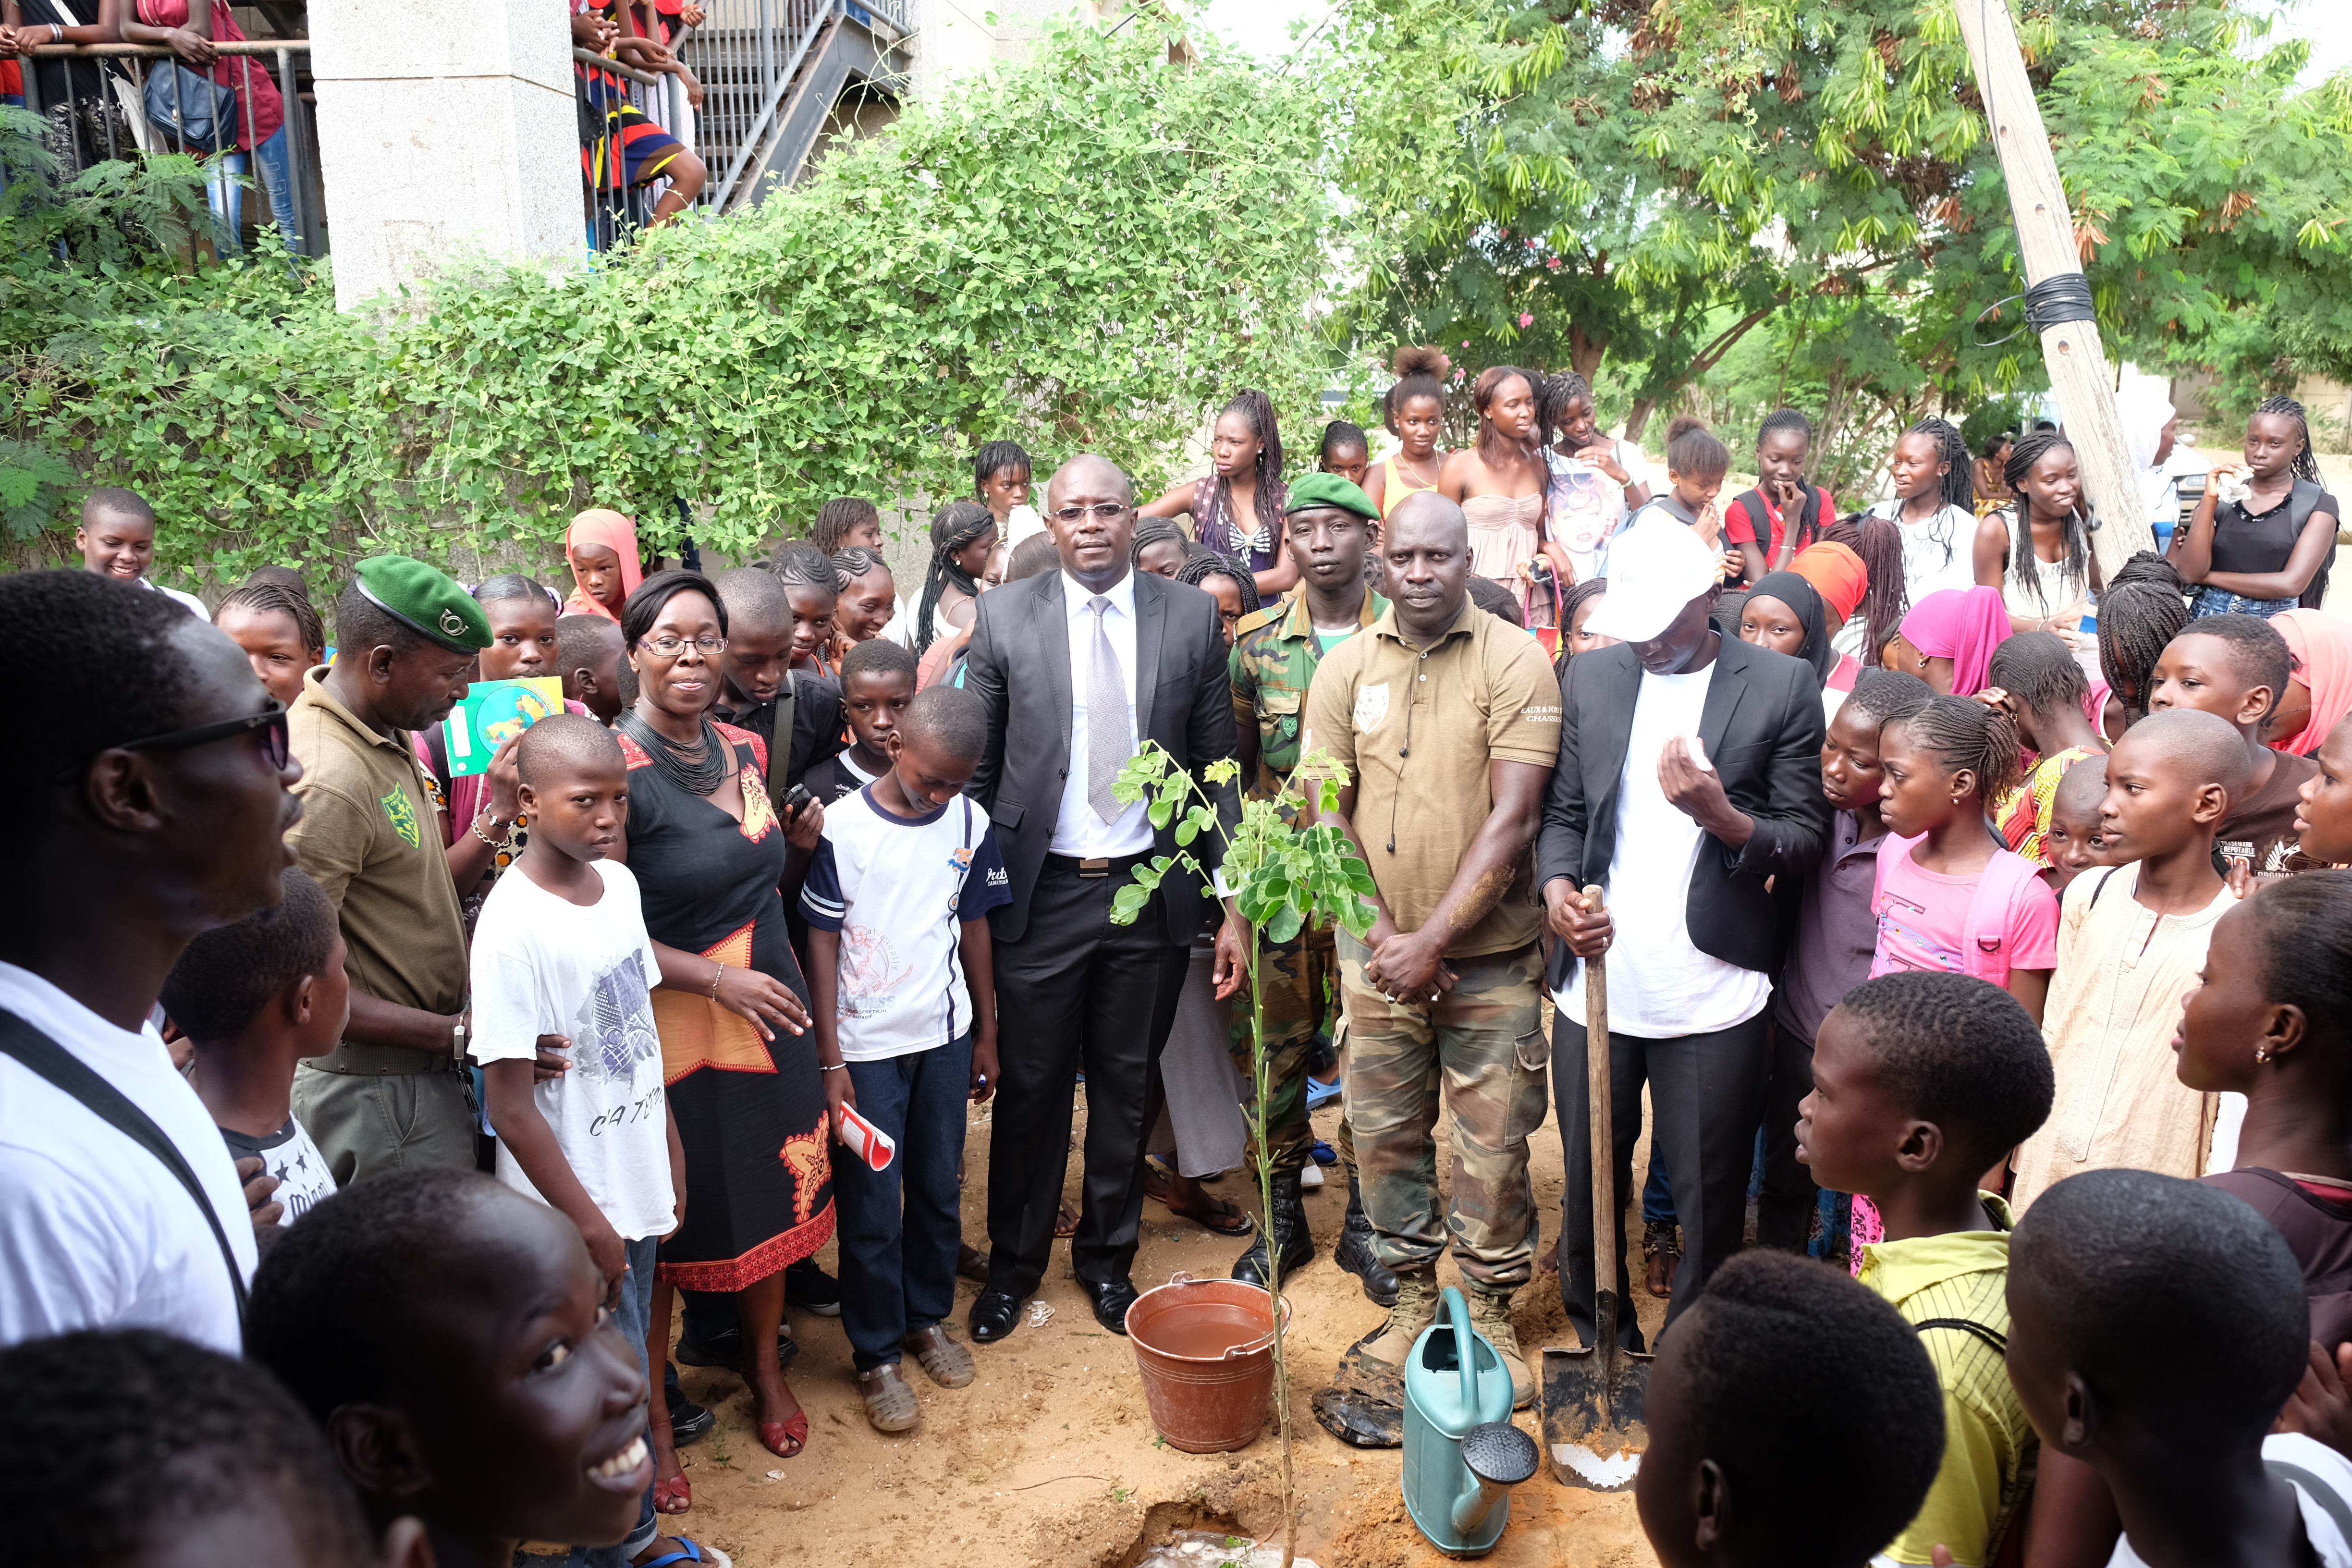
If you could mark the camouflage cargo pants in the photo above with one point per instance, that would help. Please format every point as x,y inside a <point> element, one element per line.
<point>1295,987</point>
<point>1483,1043</point>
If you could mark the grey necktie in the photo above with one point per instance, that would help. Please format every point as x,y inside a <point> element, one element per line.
<point>1108,741</point>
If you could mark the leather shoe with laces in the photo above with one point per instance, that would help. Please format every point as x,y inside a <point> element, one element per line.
<point>1110,1302</point>
<point>994,1315</point>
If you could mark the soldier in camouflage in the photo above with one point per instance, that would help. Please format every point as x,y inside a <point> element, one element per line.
<point>1329,529</point>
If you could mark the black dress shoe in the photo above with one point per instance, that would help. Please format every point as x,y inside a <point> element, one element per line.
<point>993,1315</point>
<point>812,1290</point>
<point>1110,1302</point>
<point>726,1350</point>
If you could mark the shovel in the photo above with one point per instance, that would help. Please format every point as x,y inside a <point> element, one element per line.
<point>1594,1396</point>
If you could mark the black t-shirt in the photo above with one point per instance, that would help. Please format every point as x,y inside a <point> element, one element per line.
<point>835,777</point>
<point>2260,542</point>
<point>816,726</point>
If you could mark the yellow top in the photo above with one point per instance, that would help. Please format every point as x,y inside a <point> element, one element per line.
<point>1398,485</point>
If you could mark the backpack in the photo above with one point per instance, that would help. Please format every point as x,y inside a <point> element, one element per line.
<point>1983,946</point>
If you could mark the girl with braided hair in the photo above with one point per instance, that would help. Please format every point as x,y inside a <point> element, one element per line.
<point>1000,481</point>
<point>1414,412</point>
<point>1950,896</point>
<point>2037,551</point>
<point>1160,547</point>
<point>1236,511</point>
<point>2037,681</point>
<point>1877,542</point>
<point>2140,612</point>
<point>1782,515</point>
<point>2264,535</point>
<point>1499,484</point>
<point>1934,508</point>
<point>964,536</point>
<point>1235,594</point>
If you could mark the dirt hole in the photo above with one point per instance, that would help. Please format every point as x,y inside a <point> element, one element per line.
<point>1164,1519</point>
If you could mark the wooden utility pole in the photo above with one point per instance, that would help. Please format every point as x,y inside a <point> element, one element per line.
<point>2079,373</point>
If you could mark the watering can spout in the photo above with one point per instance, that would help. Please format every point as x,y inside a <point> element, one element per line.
<point>1499,1456</point>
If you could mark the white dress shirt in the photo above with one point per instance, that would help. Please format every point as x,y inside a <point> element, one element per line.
<point>1078,831</point>
<point>94,1232</point>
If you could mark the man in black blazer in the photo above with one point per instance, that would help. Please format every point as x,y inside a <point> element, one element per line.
<point>1050,655</point>
<point>1689,772</point>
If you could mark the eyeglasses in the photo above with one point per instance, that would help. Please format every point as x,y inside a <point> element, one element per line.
<point>669,647</point>
<point>1104,509</point>
<point>270,721</point>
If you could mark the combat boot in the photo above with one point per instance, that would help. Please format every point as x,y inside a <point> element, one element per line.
<point>1415,1309</point>
<point>1490,1314</point>
<point>1355,1253</point>
<point>1286,1223</point>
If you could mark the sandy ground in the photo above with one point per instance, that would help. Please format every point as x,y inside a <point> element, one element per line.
<point>1051,1459</point>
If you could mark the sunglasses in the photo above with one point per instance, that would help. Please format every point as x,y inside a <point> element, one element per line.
<point>270,720</point>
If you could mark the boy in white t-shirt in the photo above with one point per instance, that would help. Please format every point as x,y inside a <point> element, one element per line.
<point>561,950</point>
<point>253,999</point>
<point>903,998</point>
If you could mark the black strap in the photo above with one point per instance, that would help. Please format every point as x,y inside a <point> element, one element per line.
<point>109,1104</point>
<point>2103,887</point>
<point>1995,1340</point>
<point>2331,1502</point>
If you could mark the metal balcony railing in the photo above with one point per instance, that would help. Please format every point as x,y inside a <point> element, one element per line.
<point>102,115</point>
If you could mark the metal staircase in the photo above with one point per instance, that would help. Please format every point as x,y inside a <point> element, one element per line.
<point>771,72</point>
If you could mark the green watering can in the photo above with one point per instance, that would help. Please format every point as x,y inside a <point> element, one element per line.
<point>1462,1455</point>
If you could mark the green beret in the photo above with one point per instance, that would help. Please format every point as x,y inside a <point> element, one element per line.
<point>1329,490</point>
<point>427,601</point>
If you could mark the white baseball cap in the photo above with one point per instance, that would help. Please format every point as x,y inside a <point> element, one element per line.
<point>1655,568</point>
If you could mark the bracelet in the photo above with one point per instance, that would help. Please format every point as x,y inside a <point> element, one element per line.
<point>485,837</point>
<point>715,975</point>
<point>833,1067</point>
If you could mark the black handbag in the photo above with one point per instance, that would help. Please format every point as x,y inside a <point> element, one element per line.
<point>192,112</point>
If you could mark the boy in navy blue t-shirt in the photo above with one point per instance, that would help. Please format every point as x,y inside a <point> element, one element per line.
<point>904,996</point>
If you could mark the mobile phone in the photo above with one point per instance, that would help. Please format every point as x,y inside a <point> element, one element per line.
<point>796,797</point>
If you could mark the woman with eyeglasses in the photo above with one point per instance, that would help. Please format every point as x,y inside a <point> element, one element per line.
<point>731,1007</point>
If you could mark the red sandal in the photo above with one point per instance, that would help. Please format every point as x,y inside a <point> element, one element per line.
<point>672,1495</point>
<point>775,1435</point>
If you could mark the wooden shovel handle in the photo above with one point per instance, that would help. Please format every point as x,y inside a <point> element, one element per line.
<point>1604,1135</point>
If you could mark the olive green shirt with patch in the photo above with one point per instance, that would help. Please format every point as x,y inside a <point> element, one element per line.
<point>1416,729</point>
<point>368,835</point>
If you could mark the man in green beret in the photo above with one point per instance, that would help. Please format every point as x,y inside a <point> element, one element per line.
<point>395,1092</point>
<point>1329,528</point>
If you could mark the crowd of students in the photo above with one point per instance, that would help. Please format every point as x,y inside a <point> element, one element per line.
<point>1958,885</point>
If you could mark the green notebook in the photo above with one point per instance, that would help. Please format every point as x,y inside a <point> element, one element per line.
<point>494,713</point>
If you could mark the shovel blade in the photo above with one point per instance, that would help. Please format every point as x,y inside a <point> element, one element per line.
<point>1593,1424</point>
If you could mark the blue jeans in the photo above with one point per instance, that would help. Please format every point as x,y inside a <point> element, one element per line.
<point>2220,602</point>
<point>227,197</point>
<point>1657,1198</point>
<point>633,1317</point>
<point>899,1228</point>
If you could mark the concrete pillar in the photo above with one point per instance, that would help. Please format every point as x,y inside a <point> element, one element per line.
<point>445,128</point>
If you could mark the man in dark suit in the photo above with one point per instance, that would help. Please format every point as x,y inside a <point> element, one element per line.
<point>1077,667</point>
<point>1689,772</point>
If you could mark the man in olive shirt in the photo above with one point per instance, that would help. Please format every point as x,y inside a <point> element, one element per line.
<point>394,1093</point>
<point>1447,720</point>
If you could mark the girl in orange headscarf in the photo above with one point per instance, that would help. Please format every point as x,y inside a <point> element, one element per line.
<point>602,546</point>
<point>2319,688</point>
<point>1836,572</point>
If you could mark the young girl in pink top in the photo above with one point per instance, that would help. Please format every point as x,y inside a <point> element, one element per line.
<point>1949,895</point>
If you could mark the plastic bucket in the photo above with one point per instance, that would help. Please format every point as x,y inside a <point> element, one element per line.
<point>1206,1354</point>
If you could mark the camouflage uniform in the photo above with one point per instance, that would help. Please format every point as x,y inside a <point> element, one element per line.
<point>1485,1043</point>
<point>1275,654</point>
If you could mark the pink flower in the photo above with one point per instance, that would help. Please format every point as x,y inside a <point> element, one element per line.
<point>1525,320</point>
<point>1553,263</point>
<point>1466,343</point>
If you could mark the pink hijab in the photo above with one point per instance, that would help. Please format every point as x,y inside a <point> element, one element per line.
<point>2322,646</point>
<point>599,525</point>
<point>1963,625</point>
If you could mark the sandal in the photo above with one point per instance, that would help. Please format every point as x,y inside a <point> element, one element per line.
<point>673,1494</point>
<point>891,1405</point>
<point>943,1360</point>
<point>972,1263</point>
<point>1661,1241</point>
<point>1066,1221</point>
<point>775,1435</point>
<point>1221,1215</point>
<point>689,1551</point>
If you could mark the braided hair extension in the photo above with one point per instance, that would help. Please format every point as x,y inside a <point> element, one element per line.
<point>1553,400</point>
<point>802,562</point>
<point>1493,448</point>
<point>1419,373</point>
<point>1202,564</point>
<point>1885,695</point>
<point>275,598</point>
<point>1256,410</point>
<point>2039,671</point>
<point>836,517</point>
<point>1784,419</point>
<point>993,458</point>
<point>1961,732</point>
<point>1151,531</point>
<point>952,530</point>
<point>1884,599</point>
<point>2305,466</point>
<point>1957,486</point>
<point>2142,609</point>
<point>2073,528</point>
